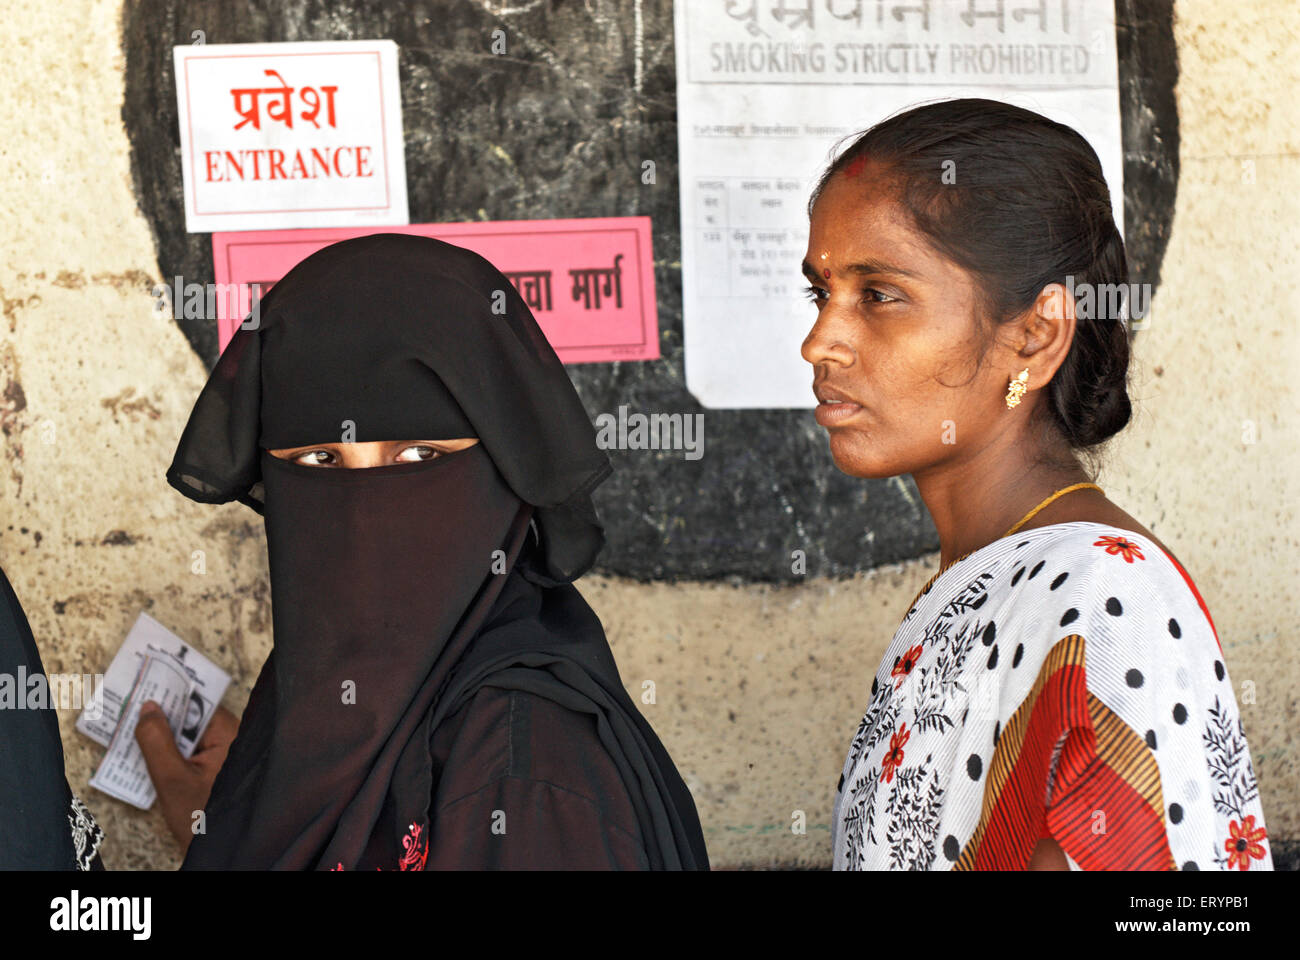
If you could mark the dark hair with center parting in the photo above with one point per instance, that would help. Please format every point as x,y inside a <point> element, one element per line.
<point>1025,205</point>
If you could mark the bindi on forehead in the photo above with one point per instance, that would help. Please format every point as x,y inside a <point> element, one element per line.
<point>812,272</point>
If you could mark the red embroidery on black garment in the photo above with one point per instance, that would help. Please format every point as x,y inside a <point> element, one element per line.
<point>415,847</point>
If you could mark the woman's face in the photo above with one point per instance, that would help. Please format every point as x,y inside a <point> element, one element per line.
<point>893,347</point>
<point>380,453</point>
<point>193,713</point>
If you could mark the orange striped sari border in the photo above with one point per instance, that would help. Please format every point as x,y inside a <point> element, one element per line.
<point>1068,652</point>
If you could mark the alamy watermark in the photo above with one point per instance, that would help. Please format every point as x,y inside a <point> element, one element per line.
<point>1130,303</point>
<point>655,431</point>
<point>62,691</point>
<point>210,301</point>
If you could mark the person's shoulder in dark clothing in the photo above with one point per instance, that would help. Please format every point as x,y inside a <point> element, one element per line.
<point>525,783</point>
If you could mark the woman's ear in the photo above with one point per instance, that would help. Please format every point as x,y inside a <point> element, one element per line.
<point>1045,332</point>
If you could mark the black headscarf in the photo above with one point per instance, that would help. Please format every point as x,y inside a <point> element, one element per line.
<point>397,592</point>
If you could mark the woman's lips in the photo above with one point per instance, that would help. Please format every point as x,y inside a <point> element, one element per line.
<point>831,414</point>
<point>833,407</point>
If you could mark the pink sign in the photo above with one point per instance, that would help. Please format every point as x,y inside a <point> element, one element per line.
<point>590,283</point>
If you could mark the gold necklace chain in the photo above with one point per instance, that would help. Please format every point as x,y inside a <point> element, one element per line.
<point>1058,494</point>
<point>1016,526</point>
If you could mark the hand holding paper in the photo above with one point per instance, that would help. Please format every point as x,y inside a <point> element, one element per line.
<point>153,664</point>
<point>183,785</point>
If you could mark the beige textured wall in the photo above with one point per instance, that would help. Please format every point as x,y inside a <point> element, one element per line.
<point>759,689</point>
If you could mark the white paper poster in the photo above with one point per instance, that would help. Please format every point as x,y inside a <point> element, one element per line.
<point>765,91</point>
<point>278,135</point>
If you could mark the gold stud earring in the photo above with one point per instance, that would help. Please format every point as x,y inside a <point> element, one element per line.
<point>1017,388</point>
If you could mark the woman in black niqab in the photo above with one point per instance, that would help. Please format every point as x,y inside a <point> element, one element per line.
<point>438,695</point>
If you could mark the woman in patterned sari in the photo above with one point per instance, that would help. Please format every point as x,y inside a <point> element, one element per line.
<point>1057,696</point>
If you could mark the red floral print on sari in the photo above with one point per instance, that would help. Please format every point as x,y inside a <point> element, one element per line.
<point>905,665</point>
<point>1118,546</point>
<point>1244,843</point>
<point>895,755</point>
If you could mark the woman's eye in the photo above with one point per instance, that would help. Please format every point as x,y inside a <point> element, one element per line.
<point>871,294</point>
<point>417,453</point>
<point>315,458</point>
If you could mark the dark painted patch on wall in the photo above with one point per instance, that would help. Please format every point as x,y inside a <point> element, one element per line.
<point>572,134</point>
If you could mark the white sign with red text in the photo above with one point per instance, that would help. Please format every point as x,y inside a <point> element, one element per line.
<point>280,135</point>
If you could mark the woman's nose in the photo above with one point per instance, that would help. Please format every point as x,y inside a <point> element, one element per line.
<point>825,342</point>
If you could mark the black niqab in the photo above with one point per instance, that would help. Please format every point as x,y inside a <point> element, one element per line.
<point>398,592</point>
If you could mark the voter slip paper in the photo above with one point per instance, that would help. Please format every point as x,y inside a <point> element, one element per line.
<point>152,664</point>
